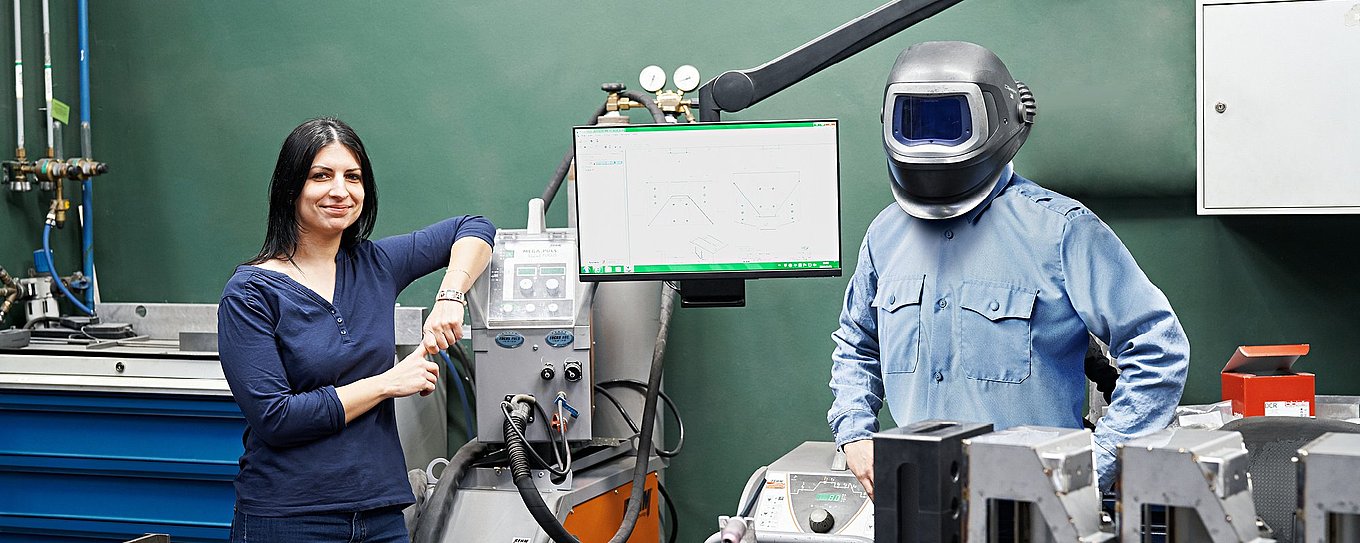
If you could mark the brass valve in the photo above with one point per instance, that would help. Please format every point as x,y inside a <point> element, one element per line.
<point>77,169</point>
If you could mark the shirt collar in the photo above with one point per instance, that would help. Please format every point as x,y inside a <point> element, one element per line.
<point>1006,174</point>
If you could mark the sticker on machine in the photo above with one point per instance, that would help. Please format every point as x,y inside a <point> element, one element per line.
<point>1287,409</point>
<point>520,540</point>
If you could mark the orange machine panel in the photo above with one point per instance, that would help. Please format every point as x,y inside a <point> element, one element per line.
<point>596,519</point>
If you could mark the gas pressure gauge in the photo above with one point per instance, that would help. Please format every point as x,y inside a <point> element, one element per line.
<point>652,78</point>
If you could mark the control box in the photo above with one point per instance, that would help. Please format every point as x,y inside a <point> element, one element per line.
<point>531,334</point>
<point>803,493</point>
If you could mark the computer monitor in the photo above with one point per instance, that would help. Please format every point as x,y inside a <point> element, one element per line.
<point>732,200</point>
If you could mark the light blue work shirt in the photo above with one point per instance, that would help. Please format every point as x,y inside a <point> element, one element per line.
<point>984,318</point>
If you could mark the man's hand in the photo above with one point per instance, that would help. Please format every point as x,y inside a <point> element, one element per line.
<point>859,457</point>
<point>444,327</point>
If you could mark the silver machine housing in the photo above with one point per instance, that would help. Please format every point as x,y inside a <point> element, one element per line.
<point>531,332</point>
<point>1049,470</point>
<point>1329,489</point>
<point>1201,475</point>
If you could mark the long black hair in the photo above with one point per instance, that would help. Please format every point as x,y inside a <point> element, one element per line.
<point>290,173</point>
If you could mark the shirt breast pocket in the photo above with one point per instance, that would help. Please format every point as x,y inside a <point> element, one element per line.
<point>898,303</point>
<point>995,330</point>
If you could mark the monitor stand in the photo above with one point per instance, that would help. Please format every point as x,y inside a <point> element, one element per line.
<point>712,293</point>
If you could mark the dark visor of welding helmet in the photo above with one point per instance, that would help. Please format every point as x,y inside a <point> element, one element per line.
<point>938,120</point>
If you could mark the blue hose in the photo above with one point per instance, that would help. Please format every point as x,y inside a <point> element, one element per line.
<point>462,394</point>
<point>86,186</point>
<point>52,268</point>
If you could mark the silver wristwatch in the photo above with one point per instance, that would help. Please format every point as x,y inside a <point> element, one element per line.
<point>451,295</point>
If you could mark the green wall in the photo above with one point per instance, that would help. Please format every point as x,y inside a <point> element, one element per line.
<point>465,107</point>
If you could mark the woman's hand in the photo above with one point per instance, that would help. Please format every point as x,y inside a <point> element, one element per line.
<point>444,327</point>
<point>414,374</point>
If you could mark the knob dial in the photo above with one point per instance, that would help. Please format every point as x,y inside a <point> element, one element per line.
<point>553,285</point>
<point>548,372</point>
<point>821,521</point>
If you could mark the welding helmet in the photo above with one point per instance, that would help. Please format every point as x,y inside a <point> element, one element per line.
<point>952,119</point>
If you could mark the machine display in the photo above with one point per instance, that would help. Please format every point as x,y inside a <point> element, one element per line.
<point>713,200</point>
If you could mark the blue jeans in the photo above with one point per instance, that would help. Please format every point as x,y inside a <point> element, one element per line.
<point>380,526</point>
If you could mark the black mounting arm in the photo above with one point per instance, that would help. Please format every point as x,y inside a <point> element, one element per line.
<point>736,90</point>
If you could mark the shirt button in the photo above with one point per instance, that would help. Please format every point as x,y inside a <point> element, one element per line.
<point>342,332</point>
<point>342,321</point>
<point>943,303</point>
<point>939,377</point>
<point>995,306</point>
<point>949,234</point>
<point>892,299</point>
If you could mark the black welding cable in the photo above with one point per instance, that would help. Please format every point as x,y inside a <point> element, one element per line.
<point>519,461</point>
<point>602,387</point>
<point>670,512</point>
<point>563,167</point>
<point>434,517</point>
<point>517,447</point>
<point>649,410</point>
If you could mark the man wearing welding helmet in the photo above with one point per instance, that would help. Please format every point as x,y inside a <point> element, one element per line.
<point>974,296</point>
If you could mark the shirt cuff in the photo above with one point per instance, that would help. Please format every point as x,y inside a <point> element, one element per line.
<point>335,409</point>
<point>854,425</point>
<point>1107,467</point>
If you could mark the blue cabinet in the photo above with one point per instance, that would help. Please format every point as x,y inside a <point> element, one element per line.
<point>100,466</point>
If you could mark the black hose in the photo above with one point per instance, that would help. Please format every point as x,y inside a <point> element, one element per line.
<point>562,168</point>
<point>657,115</point>
<point>519,468</point>
<point>434,516</point>
<point>602,389</point>
<point>670,511</point>
<point>648,421</point>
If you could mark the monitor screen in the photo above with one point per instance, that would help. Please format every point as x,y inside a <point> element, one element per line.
<point>708,200</point>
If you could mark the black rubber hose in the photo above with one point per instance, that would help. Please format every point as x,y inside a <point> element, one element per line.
<point>434,517</point>
<point>533,501</point>
<point>514,446</point>
<point>670,510</point>
<point>562,168</point>
<point>649,410</point>
<point>641,387</point>
<point>657,115</point>
<point>524,481</point>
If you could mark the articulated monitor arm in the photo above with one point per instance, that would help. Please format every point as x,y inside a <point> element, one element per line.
<point>736,90</point>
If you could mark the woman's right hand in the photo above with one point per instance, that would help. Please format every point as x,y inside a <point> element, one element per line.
<point>414,374</point>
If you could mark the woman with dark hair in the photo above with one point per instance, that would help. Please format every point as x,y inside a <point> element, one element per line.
<point>307,345</point>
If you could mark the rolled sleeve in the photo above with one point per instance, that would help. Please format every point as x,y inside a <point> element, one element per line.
<point>856,374</point>
<point>417,254</point>
<point>1122,308</point>
<point>255,373</point>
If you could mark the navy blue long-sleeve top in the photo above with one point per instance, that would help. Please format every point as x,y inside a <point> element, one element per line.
<point>284,350</point>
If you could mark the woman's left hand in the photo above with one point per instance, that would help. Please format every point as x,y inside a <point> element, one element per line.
<point>444,327</point>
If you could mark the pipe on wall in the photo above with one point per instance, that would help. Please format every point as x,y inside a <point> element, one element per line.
<point>86,150</point>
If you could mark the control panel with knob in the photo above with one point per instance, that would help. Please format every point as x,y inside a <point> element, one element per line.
<point>804,493</point>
